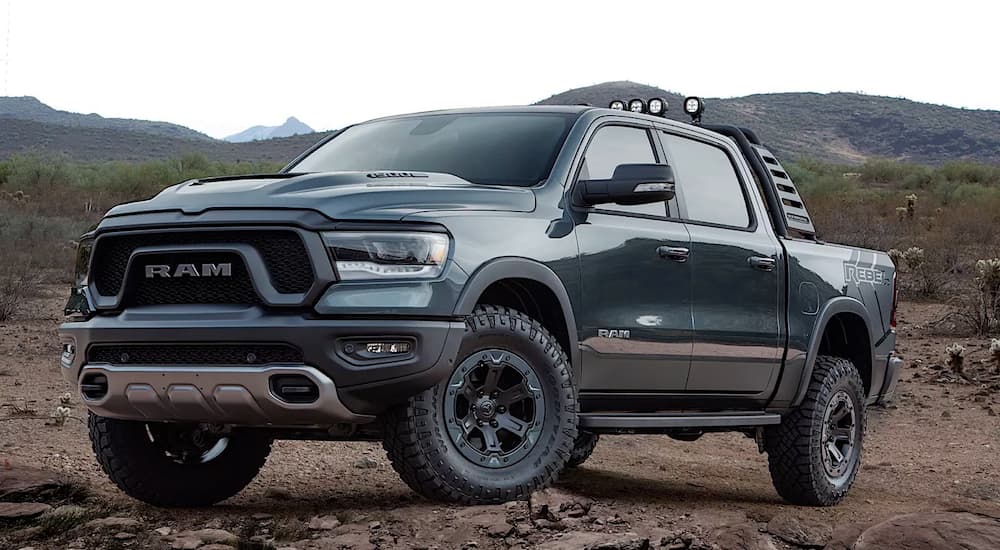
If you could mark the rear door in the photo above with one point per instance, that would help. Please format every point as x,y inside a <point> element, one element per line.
<point>737,270</point>
<point>635,322</point>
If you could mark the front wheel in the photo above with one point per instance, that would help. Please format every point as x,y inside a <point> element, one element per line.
<point>176,465</point>
<point>500,426</point>
<point>815,453</point>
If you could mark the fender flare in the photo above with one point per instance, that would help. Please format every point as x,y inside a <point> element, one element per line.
<point>514,267</point>
<point>834,306</point>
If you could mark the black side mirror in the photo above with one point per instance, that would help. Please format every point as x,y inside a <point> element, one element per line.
<point>630,184</point>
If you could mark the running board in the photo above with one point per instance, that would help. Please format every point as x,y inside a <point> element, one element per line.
<point>692,420</point>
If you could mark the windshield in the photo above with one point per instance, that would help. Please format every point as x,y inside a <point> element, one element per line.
<point>488,148</point>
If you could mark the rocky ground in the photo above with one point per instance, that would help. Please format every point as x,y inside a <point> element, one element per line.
<point>929,477</point>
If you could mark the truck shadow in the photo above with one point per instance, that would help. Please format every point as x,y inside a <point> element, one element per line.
<point>604,484</point>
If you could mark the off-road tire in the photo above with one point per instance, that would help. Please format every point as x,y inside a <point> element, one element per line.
<point>584,445</point>
<point>424,454</point>
<point>795,447</point>
<point>142,471</point>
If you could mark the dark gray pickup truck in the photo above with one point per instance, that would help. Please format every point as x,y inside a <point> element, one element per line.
<point>485,291</point>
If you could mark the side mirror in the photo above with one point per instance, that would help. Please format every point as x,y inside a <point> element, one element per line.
<point>630,184</point>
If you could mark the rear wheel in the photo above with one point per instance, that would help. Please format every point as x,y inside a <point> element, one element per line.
<point>177,465</point>
<point>500,426</point>
<point>815,453</point>
<point>583,447</point>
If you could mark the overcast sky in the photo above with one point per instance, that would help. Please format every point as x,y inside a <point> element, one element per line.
<point>221,66</point>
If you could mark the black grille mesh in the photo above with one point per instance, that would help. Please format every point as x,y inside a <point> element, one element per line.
<point>283,253</point>
<point>194,354</point>
<point>235,289</point>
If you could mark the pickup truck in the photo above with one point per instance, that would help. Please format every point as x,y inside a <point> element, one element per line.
<point>487,292</point>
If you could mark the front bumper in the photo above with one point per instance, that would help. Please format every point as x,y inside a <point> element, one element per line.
<point>349,391</point>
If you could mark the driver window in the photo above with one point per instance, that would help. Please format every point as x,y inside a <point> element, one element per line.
<point>614,145</point>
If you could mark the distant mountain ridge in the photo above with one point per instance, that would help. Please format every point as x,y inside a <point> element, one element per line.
<point>30,108</point>
<point>291,127</point>
<point>834,127</point>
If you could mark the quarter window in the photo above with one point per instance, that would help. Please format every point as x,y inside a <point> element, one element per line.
<point>707,182</point>
<point>615,145</point>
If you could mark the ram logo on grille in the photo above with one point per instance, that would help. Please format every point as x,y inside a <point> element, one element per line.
<point>189,270</point>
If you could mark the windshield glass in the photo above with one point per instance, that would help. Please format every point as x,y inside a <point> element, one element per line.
<point>488,148</point>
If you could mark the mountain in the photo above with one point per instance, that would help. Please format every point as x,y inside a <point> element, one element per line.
<point>30,108</point>
<point>291,127</point>
<point>835,127</point>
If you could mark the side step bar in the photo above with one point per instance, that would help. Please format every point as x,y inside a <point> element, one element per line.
<point>692,420</point>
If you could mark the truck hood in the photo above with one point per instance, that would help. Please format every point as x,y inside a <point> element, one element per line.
<point>338,195</point>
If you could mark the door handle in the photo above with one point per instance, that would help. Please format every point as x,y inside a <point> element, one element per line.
<point>675,253</point>
<point>762,263</point>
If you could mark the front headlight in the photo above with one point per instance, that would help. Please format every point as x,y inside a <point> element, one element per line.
<point>84,249</point>
<point>387,255</point>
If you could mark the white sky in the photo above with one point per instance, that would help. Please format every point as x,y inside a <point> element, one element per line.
<point>221,66</point>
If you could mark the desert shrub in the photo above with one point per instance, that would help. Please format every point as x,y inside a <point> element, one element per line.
<point>979,311</point>
<point>18,285</point>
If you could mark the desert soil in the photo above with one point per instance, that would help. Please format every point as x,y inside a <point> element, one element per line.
<point>934,448</point>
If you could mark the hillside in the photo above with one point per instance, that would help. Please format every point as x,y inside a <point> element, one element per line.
<point>102,144</point>
<point>291,127</point>
<point>30,108</point>
<point>836,127</point>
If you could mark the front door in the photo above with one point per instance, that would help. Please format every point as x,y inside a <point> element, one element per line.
<point>636,328</point>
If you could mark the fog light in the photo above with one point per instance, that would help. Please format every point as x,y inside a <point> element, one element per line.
<point>387,348</point>
<point>637,106</point>
<point>365,351</point>
<point>617,105</point>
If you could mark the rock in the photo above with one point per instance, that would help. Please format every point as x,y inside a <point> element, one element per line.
<point>117,523</point>
<point>22,510</point>
<point>214,523</point>
<point>931,530</point>
<point>375,525</point>
<point>492,519</point>
<point>261,516</point>
<point>741,536</point>
<point>163,531</point>
<point>554,504</point>
<point>844,537</point>
<point>324,523</point>
<point>219,547</point>
<point>189,540</point>
<point>366,462</point>
<point>583,540</point>
<point>19,483</point>
<point>623,541</point>
<point>800,531</point>
<point>354,541</point>
<point>543,523</point>
<point>122,535</point>
<point>277,493</point>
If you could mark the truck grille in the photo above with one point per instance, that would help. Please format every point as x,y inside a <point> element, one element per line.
<point>194,354</point>
<point>234,289</point>
<point>282,251</point>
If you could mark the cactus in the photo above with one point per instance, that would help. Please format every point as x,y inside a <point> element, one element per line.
<point>911,206</point>
<point>995,354</point>
<point>956,358</point>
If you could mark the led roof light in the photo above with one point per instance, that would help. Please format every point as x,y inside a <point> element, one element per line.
<point>694,107</point>
<point>617,105</point>
<point>637,106</point>
<point>656,106</point>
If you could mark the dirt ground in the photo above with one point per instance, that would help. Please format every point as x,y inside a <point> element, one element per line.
<point>934,448</point>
